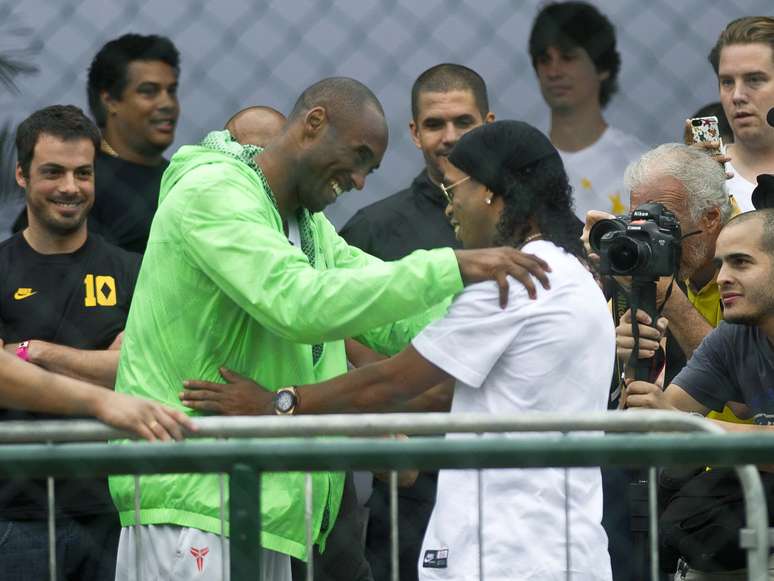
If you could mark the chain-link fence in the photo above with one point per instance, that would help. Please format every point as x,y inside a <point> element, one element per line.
<point>241,52</point>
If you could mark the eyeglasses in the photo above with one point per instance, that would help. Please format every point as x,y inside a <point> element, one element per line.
<point>447,190</point>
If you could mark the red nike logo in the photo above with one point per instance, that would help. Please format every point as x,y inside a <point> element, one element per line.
<point>199,555</point>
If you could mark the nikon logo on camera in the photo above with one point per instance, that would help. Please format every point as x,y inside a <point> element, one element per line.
<point>645,245</point>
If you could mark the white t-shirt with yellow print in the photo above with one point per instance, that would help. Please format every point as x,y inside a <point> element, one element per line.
<point>596,172</point>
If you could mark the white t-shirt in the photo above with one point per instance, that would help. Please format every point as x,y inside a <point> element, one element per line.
<point>596,173</point>
<point>741,189</point>
<point>551,354</point>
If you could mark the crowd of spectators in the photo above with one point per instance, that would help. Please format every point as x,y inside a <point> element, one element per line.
<point>143,290</point>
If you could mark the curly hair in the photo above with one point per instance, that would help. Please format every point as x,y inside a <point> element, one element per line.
<point>540,191</point>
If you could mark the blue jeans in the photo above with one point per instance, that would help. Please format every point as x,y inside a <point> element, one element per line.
<point>86,549</point>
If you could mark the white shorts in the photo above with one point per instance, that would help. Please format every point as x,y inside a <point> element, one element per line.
<point>173,553</point>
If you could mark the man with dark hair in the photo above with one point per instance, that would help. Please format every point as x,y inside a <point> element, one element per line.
<point>733,363</point>
<point>261,262</point>
<point>64,298</point>
<point>573,50</point>
<point>447,101</point>
<point>132,93</point>
<point>132,90</point>
<point>255,125</point>
<point>743,60</point>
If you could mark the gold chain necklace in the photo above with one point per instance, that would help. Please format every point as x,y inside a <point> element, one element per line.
<point>530,238</point>
<point>105,146</point>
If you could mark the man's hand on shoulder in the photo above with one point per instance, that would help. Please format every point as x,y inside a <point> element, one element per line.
<point>497,263</point>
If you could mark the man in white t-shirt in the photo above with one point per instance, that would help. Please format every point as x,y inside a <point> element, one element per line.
<point>516,360</point>
<point>743,59</point>
<point>573,51</point>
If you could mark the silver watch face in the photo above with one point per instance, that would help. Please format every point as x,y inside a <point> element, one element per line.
<point>285,401</point>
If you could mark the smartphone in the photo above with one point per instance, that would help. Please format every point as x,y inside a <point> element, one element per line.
<point>706,129</point>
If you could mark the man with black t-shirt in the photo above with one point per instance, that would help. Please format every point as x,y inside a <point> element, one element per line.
<point>132,90</point>
<point>447,101</point>
<point>64,298</point>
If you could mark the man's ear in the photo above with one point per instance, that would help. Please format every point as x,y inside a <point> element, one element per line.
<point>315,121</point>
<point>603,75</point>
<point>108,102</point>
<point>20,179</point>
<point>415,134</point>
<point>490,117</point>
<point>711,220</point>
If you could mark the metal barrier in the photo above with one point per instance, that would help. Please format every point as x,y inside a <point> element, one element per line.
<point>244,460</point>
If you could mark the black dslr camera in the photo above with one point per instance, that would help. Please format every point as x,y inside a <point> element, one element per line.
<point>645,245</point>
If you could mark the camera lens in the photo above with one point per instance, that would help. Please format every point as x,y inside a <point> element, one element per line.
<point>603,227</point>
<point>696,122</point>
<point>626,255</point>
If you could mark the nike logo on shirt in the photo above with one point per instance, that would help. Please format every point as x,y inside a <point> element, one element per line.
<point>23,293</point>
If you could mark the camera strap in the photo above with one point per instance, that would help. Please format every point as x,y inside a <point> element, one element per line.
<point>651,370</point>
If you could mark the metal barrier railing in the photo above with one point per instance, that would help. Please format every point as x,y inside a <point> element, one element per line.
<point>244,460</point>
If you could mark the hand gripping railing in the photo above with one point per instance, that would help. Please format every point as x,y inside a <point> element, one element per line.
<point>244,459</point>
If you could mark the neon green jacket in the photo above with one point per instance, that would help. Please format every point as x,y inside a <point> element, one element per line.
<point>221,285</point>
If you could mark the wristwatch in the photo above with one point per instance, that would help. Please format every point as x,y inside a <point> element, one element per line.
<point>23,351</point>
<point>286,401</point>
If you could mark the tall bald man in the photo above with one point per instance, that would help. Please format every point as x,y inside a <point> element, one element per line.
<point>264,267</point>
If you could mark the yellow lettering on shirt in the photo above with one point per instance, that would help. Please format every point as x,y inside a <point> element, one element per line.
<point>100,291</point>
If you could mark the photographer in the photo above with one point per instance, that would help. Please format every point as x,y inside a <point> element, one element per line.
<point>690,184</point>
